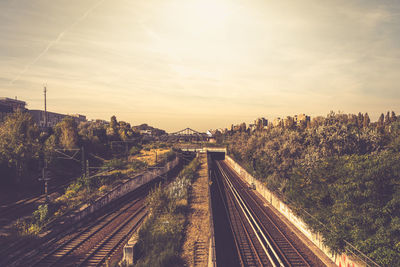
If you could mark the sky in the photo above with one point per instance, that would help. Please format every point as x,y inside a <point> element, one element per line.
<point>202,64</point>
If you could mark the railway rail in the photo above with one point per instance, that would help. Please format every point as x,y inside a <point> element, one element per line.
<point>250,250</point>
<point>93,244</point>
<point>97,239</point>
<point>260,240</point>
<point>12,211</point>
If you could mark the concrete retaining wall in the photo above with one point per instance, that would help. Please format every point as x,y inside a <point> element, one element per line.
<point>123,189</point>
<point>316,238</point>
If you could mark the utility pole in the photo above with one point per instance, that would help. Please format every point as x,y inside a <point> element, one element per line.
<point>87,169</point>
<point>45,107</point>
<point>46,180</point>
<point>87,176</point>
<point>83,163</point>
<point>127,152</point>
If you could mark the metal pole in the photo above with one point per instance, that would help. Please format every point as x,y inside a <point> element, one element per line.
<point>87,175</point>
<point>45,108</point>
<point>87,168</point>
<point>83,162</point>
<point>45,183</point>
<point>45,189</point>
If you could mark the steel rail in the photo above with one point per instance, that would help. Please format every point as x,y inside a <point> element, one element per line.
<point>254,224</point>
<point>230,222</point>
<point>246,231</point>
<point>105,220</point>
<point>271,223</point>
<point>99,246</point>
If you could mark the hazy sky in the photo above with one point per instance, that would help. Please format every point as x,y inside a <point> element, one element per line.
<point>201,63</point>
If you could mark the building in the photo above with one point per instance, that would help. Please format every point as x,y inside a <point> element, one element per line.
<point>52,118</point>
<point>78,118</point>
<point>252,127</point>
<point>4,111</point>
<point>277,122</point>
<point>13,103</point>
<point>301,118</point>
<point>261,122</point>
<point>145,132</point>
<point>101,122</point>
<point>9,105</point>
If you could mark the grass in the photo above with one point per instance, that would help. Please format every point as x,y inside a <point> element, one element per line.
<point>161,235</point>
<point>149,156</point>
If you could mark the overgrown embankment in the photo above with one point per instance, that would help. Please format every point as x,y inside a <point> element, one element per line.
<point>85,190</point>
<point>342,170</point>
<point>161,236</point>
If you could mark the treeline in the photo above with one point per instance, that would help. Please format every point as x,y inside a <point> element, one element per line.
<point>25,149</point>
<point>341,169</point>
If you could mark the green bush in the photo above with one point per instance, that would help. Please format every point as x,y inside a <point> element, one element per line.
<point>168,156</point>
<point>32,225</point>
<point>160,237</point>
<point>134,150</point>
<point>41,214</point>
<point>115,164</point>
<point>137,164</point>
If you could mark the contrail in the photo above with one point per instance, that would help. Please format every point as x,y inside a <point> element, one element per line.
<point>55,41</point>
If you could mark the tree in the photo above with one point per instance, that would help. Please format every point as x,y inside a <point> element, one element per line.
<point>360,119</point>
<point>366,121</point>
<point>67,133</point>
<point>112,130</point>
<point>125,131</point>
<point>393,117</point>
<point>387,118</point>
<point>19,143</point>
<point>114,123</point>
<point>259,124</point>
<point>243,127</point>
<point>94,138</point>
<point>381,120</point>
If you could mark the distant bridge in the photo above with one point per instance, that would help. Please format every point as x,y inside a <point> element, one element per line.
<point>188,135</point>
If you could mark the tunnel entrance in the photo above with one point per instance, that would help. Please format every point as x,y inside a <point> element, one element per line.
<point>216,155</point>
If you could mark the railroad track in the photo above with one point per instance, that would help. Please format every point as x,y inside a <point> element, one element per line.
<point>60,245</point>
<point>20,209</point>
<point>23,207</point>
<point>276,244</point>
<point>99,237</point>
<point>93,244</point>
<point>250,250</point>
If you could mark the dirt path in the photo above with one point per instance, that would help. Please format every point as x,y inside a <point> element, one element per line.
<point>197,236</point>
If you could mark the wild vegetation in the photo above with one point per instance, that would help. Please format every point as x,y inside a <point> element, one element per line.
<point>20,146</point>
<point>25,149</point>
<point>341,173</point>
<point>161,235</point>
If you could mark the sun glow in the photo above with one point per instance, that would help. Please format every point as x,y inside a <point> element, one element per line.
<point>200,16</point>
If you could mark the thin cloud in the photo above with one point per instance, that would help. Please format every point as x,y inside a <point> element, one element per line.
<point>55,41</point>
